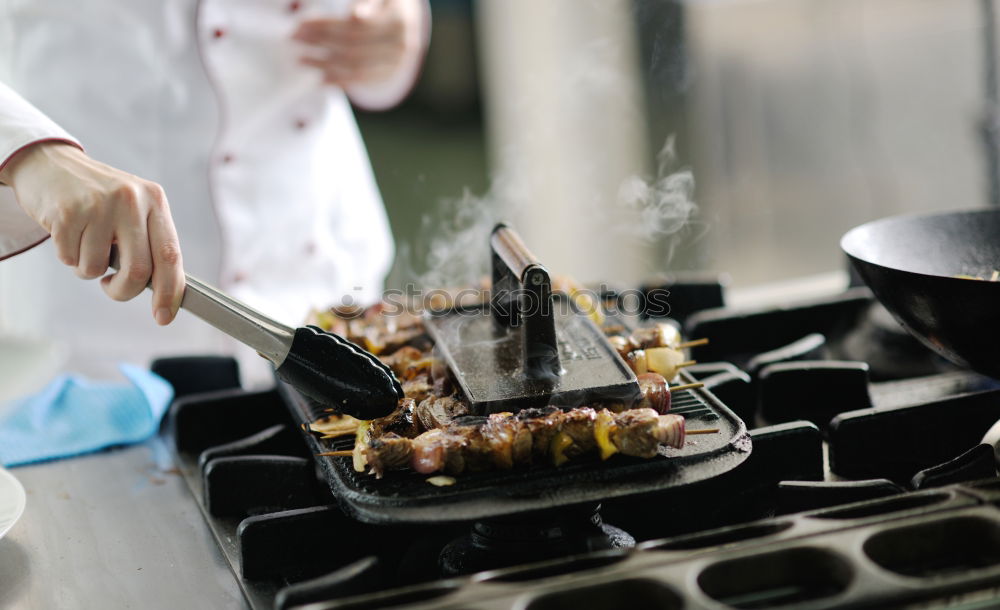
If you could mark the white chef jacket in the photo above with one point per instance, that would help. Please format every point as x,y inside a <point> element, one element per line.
<point>268,180</point>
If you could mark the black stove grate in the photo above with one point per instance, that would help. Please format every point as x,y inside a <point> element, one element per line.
<point>920,548</point>
<point>287,540</point>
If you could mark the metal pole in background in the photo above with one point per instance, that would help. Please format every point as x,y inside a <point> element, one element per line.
<point>989,126</point>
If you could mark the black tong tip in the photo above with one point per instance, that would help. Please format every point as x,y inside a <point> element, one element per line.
<point>340,375</point>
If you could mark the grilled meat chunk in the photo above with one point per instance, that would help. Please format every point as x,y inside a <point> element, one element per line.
<point>443,384</point>
<point>400,360</point>
<point>578,425</point>
<point>439,411</point>
<point>388,452</point>
<point>419,388</point>
<point>438,450</point>
<point>639,432</point>
<point>415,337</point>
<point>542,425</point>
<point>402,421</point>
<point>498,433</point>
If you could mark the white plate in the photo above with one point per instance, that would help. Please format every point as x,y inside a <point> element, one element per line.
<point>11,501</point>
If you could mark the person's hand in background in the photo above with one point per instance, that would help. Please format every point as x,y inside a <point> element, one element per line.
<point>86,206</point>
<point>367,45</point>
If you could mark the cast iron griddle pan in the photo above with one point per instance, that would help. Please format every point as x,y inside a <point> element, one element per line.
<point>524,350</point>
<point>911,263</point>
<point>405,496</point>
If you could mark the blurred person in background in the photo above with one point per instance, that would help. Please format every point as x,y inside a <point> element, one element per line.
<point>237,112</point>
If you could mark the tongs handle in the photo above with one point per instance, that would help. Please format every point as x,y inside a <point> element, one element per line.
<point>323,366</point>
<point>522,295</point>
<point>270,338</point>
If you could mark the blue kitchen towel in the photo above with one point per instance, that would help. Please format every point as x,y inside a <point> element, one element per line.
<point>73,415</point>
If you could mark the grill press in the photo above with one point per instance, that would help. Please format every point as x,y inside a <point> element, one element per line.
<point>526,346</point>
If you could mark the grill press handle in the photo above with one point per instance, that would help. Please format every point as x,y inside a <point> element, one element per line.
<point>522,297</point>
<point>515,257</point>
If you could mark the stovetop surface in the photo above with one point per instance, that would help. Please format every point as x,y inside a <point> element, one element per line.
<point>116,529</point>
<point>842,408</point>
<point>833,421</point>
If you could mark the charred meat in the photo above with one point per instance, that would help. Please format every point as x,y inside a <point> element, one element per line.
<point>503,441</point>
<point>401,422</point>
<point>438,411</point>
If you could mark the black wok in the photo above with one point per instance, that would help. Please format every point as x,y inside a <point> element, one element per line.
<point>911,263</point>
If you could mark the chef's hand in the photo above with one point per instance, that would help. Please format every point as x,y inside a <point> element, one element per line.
<point>87,206</point>
<point>366,46</point>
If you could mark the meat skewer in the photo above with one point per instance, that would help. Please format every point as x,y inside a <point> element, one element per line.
<point>503,440</point>
<point>412,417</point>
<point>350,452</point>
<point>660,335</point>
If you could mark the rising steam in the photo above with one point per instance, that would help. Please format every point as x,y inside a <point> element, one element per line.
<point>659,207</point>
<point>452,247</point>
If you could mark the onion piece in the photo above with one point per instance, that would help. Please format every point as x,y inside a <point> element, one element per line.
<point>665,361</point>
<point>655,392</point>
<point>670,430</point>
<point>335,425</point>
<point>360,444</point>
<point>441,481</point>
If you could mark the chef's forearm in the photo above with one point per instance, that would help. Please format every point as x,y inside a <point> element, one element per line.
<point>22,125</point>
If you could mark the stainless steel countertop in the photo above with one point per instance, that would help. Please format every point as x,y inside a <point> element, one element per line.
<point>117,529</point>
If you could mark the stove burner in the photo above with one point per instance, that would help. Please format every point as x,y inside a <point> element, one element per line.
<point>501,543</point>
<point>890,351</point>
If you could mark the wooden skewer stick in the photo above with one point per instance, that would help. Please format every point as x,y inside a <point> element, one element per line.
<point>344,453</point>
<point>686,363</point>
<point>339,434</point>
<point>705,431</point>
<point>686,386</point>
<point>693,343</point>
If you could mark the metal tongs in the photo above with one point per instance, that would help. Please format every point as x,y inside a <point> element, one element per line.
<point>319,364</point>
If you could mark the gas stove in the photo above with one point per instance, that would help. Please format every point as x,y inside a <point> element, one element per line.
<point>866,485</point>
